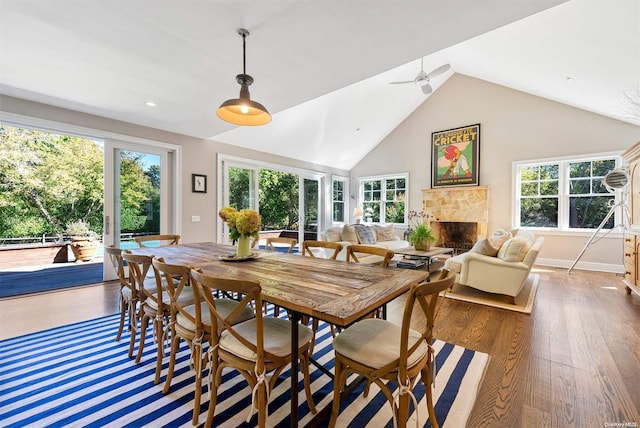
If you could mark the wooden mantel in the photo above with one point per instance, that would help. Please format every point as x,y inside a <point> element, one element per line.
<point>470,204</point>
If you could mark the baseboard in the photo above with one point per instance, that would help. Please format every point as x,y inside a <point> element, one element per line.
<point>599,267</point>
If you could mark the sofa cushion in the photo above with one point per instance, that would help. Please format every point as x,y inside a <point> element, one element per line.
<point>365,234</point>
<point>349,234</point>
<point>499,237</point>
<point>485,248</point>
<point>385,233</point>
<point>333,234</point>
<point>514,250</point>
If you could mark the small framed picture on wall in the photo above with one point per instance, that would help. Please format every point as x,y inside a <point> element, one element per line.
<point>198,183</point>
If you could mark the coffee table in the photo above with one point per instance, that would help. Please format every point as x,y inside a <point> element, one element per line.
<point>423,255</point>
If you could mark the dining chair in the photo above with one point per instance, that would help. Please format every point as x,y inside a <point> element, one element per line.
<point>154,305</point>
<point>144,241</point>
<point>191,323</point>
<point>128,300</point>
<point>312,248</point>
<point>253,347</point>
<point>382,350</point>
<point>291,242</point>
<point>354,249</point>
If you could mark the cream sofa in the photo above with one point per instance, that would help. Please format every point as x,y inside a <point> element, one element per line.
<point>384,236</point>
<point>502,273</point>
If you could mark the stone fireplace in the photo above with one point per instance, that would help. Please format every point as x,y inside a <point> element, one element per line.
<point>460,215</point>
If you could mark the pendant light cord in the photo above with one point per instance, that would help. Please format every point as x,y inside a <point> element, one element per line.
<point>244,53</point>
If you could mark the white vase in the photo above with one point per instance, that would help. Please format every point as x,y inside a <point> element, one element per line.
<point>242,249</point>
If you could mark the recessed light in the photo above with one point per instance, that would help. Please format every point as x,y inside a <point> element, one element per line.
<point>570,79</point>
<point>150,104</point>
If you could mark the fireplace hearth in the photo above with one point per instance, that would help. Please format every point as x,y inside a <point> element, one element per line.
<point>459,235</point>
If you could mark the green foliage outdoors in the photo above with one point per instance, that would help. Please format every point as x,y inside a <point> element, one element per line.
<point>279,206</point>
<point>48,181</point>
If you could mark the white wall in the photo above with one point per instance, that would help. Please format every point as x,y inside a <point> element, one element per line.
<point>514,126</point>
<point>198,156</point>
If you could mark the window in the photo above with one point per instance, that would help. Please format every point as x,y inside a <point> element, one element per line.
<point>338,199</point>
<point>565,194</point>
<point>383,198</point>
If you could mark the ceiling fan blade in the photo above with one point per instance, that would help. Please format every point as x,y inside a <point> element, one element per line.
<point>427,89</point>
<point>438,71</point>
<point>404,81</point>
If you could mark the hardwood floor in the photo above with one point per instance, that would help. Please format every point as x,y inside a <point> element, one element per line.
<point>574,362</point>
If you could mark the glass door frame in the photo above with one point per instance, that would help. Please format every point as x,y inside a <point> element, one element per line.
<point>169,189</point>
<point>226,161</point>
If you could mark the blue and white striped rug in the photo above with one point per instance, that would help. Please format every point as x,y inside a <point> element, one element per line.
<point>77,376</point>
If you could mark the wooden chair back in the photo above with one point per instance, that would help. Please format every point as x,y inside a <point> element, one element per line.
<point>354,249</point>
<point>144,241</point>
<point>308,246</point>
<point>175,278</point>
<point>425,294</point>
<point>139,272</point>
<point>115,257</point>
<point>251,293</point>
<point>291,242</point>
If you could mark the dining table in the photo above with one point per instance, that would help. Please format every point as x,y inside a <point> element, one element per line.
<point>337,292</point>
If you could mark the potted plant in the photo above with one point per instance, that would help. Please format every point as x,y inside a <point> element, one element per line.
<point>83,240</point>
<point>421,237</point>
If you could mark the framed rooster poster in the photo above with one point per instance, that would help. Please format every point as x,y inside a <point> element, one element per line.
<point>455,155</point>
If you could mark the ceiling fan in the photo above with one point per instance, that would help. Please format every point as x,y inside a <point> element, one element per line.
<point>423,78</point>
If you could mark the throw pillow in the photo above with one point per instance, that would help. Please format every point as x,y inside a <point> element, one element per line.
<point>513,250</point>
<point>385,233</point>
<point>365,234</point>
<point>485,248</point>
<point>349,234</point>
<point>333,234</point>
<point>499,237</point>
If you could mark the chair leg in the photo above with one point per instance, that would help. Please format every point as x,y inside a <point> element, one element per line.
<point>426,379</point>
<point>337,388</point>
<point>144,325</point>
<point>197,366</point>
<point>158,325</point>
<point>304,366</point>
<point>133,326</point>
<point>213,392</point>
<point>262,405</point>
<point>123,309</point>
<point>175,344</point>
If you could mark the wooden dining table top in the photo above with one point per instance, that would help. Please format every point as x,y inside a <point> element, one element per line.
<point>334,291</point>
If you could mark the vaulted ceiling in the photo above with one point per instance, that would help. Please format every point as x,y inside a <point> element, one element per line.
<point>322,68</point>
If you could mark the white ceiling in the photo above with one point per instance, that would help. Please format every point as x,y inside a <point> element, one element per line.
<point>321,67</point>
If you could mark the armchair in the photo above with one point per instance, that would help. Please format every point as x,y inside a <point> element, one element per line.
<point>500,275</point>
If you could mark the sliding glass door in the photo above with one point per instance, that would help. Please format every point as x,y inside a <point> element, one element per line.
<point>137,195</point>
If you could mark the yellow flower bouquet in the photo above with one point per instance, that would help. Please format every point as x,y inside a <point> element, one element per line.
<point>242,225</point>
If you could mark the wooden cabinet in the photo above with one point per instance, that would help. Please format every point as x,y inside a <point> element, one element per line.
<point>632,233</point>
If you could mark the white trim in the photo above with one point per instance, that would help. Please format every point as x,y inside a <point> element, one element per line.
<point>598,267</point>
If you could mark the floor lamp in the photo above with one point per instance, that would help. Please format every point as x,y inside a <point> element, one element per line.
<point>615,180</point>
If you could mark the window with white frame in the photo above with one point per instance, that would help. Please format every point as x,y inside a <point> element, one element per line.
<point>384,198</point>
<point>565,194</point>
<point>339,199</point>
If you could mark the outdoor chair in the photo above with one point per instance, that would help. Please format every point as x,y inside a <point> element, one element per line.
<point>381,350</point>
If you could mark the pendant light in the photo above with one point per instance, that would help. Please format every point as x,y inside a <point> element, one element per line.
<point>243,111</point>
